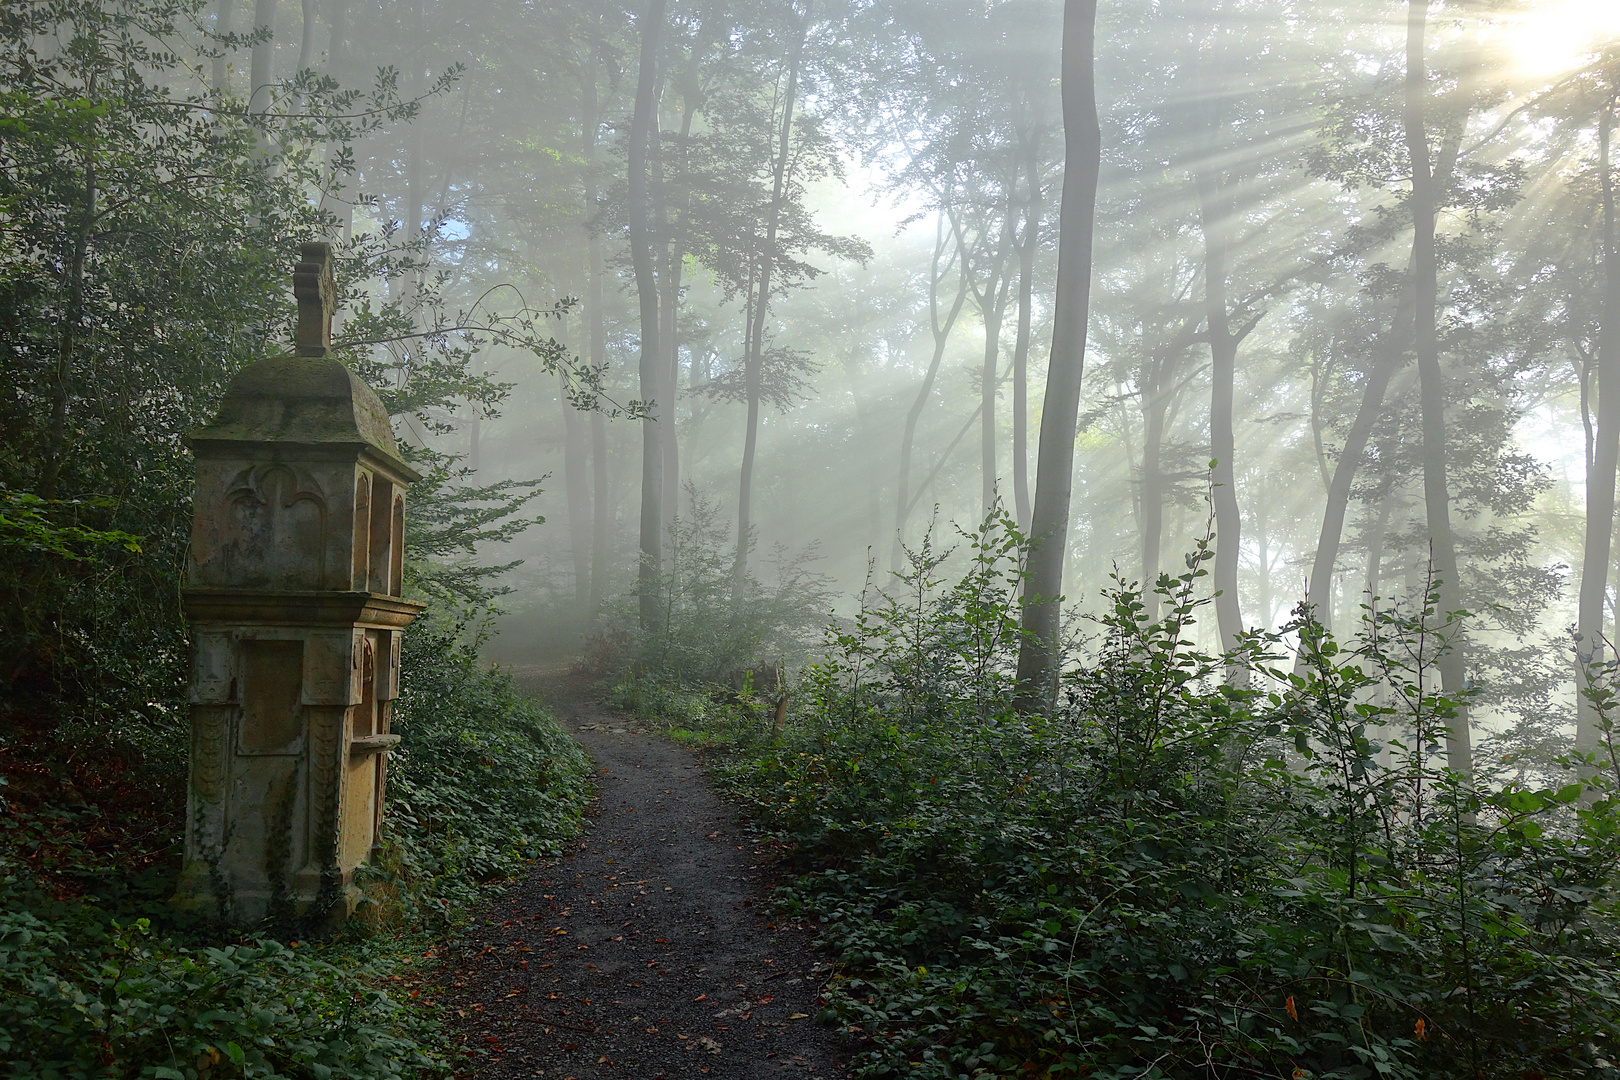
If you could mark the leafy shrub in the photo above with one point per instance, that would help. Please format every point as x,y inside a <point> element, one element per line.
<point>485,779</point>
<point>714,627</point>
<point>1192,865</point>
<point>83,996</point>
<point>98,978</point>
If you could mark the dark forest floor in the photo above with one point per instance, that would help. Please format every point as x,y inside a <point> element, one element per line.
<point>651,950</point>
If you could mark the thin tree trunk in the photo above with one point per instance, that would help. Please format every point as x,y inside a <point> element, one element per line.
<point>658,188</point>
<point>1375,548</point>
<point>992,305</point>
<point>1262,544</point>
<point>260,62</point>
<point>220,79</point>
<point>576,454</point>
<point>260,68</point>
<point>1214,212</point>
<point>1026,288</point>
<point>652,478</point>
<point>1431,388</point>
<point>1604,458</point>
<point>601,510</point>
<point>306,49</point>
<point>414,180</point>
<point>343,209</point>
<point>753,371</point>
<point>942,333</point>
<point>67,343</point>
<point>1060,414</point>
<point>601,502</point>
<point>670,297</point>
<point>1385,361</point>
<point>1154,406</point>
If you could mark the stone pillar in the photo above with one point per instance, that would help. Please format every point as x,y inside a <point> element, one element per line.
<point>293,593</point>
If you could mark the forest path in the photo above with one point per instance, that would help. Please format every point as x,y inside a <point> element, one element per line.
<point>649,951</point>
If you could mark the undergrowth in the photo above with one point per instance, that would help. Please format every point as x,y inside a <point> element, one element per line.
<point>99,978</point>
<point>1188,865</point>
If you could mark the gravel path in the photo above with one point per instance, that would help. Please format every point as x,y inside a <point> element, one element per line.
<point>650,951</point>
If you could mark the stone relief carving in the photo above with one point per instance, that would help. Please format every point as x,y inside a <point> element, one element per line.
<point>278,533</point>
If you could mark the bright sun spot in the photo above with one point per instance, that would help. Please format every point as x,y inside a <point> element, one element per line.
<point>1552,36</point>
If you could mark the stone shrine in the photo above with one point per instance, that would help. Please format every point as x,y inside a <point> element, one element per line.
<point>293,593</point>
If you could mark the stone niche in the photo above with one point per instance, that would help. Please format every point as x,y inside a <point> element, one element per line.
<point>293,593</point>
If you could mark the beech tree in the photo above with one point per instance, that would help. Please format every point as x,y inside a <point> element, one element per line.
<point>1054,470</point>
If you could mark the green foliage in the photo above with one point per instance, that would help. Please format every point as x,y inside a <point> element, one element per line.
<point>98,978</point>
<point>1194,865</point>
<point>485,779</point>
<point>716,628</point>
<point>84,996</point>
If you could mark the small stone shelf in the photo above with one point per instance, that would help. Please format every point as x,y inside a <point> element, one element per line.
<point>372,744</point>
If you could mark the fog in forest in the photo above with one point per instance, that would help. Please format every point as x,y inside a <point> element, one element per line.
<point>799,260</point>
<point>904,162</point>
<point>871,538</point>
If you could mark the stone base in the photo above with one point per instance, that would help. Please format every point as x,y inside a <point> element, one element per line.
<point>197,893</point>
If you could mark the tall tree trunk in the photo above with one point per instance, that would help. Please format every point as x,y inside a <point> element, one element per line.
<point>1431,387</point>
<point>343,209</point>
<point>601,502</point>
<point>1262,546</point>
<point>1156,402</point>
<point>1375,547</point>
<point>61,394</point>
<point>1160,386</point>
<point>576,455</point>
<point>670,296</point>
<point>1605,456</point>
<point>1026,289</point>
<point>1386,359</point>
<point>641,259</point>
<point>261,68</point>
<point>669,498</point>
<point>1060,414</point>
<point>1215,214</point>
<point>601,510</point>
<point>225,15</point>
<point>755,362</point>
<point>306,48</point>
<point>941,331</point>
<point>992,305</point>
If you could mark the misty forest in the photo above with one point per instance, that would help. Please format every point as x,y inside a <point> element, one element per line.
<point>1116,498</point>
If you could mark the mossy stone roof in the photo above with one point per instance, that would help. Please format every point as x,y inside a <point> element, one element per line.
<point>300,399</point>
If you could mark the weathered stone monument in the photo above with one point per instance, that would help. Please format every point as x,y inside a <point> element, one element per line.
<point>293,593</point>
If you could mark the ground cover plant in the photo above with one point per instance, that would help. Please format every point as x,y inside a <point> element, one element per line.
<point>99,978</point>
<point>150,223</point>
<point>1189,865</point>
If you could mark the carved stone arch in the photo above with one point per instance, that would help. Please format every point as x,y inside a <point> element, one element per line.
<point>361,571</point>
<point>278,528</point>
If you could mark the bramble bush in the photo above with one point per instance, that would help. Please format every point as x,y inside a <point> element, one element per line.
<point>1189,864</point>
